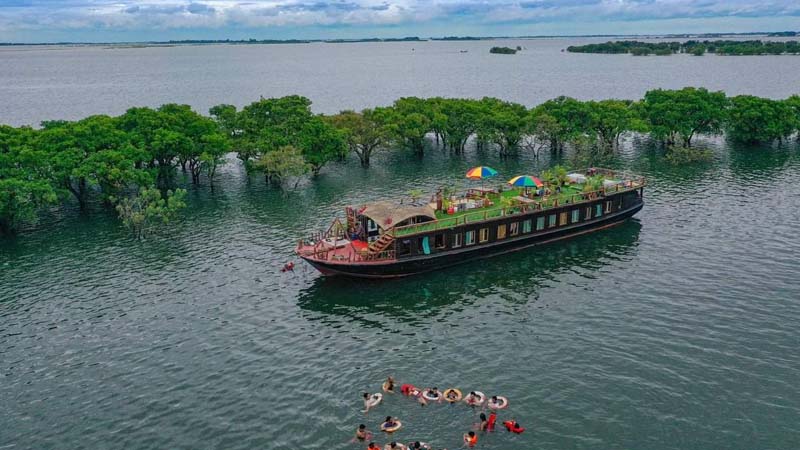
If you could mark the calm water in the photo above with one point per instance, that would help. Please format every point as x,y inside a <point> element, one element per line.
<point>676,330</point>
<point>45,83</point>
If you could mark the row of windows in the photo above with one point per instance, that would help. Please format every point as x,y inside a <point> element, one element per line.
<point>513,229</point>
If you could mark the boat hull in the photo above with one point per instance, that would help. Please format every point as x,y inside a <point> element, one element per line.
<point>419,264</point>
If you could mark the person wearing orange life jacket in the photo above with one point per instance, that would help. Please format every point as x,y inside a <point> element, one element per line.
<point>513,426</point>
<point>373,446</point>
<point>492,420</point>
<point>470,439</point>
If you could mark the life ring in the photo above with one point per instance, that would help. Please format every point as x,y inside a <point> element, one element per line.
<point>374,399</point>
<point>502,403</point>
<point>455,391</point>
<point>431,398</point>
<point>475,400</point>
<point>397,425</point>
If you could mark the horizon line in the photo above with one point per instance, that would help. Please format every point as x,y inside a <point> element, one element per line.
<point>784,33</point>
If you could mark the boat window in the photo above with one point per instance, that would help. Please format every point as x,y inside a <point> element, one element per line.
<point>485,235</point>
<point>439,241</point>
<point>371,226</point>
<point>526,226</point>
<point>404,248</point>
<point>513,229</point>
<point>501,231</point>
<point>576,215</point>
<point>551,220</point>
<point>598,210</point>
<point>470,237</point>
<point>540,223</point>
<point>457,239</point>
<point>608,206</point>
<point>562,219</point>
<point>588,213</point>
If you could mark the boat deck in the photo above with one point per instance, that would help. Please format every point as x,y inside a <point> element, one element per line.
<point>498,204</point>
<point>343,250</point>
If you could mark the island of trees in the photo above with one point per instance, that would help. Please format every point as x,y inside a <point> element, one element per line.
<point>132,163</point>
<point>503,50</point>
<point>693,47</point>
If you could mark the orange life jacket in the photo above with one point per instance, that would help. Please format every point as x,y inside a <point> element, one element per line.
<point>471,441</point>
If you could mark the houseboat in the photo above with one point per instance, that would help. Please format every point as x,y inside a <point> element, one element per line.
<point>389,239</point>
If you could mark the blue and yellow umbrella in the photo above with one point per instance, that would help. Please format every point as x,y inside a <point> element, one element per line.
<point>480,173</point>
<point>525,181</point>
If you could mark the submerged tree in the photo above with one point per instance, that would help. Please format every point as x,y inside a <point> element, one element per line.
<point>143,212</point>
<point>363,132</point>
<point>673,115</point>
<point>283,166</point>
<point>753,119</point>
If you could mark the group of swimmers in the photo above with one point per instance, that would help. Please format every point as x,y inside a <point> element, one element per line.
<point>474,398</point>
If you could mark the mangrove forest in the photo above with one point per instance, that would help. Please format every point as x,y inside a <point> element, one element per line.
<point>693,47</point>
<point>132,163</point>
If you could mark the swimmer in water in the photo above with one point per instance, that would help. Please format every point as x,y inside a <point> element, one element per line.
<point>484,425</point>
<point>452,395</point>
<point>368,401</point>
<point>491,422</point>
<point>362,434</point>
<point>388,385</point>
<point>373,446</point>
<point>394,446</point>
<point>470,439</point>
<point>389,423</point>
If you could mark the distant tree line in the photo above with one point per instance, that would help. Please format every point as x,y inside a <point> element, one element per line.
<point>694,47</point>
<point>130,162</point>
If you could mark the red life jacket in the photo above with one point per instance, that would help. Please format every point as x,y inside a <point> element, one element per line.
<point>492,420</point>
<point>407,388</point>
<point>510,426</point>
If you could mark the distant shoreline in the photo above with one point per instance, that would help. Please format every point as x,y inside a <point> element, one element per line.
<point>403,39</point>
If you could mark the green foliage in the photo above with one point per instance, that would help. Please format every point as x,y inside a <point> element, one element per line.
<point>407,122</point>
<point>21,200</point>
<point>754,119</point>
<point>572,119</point>
<point>142,213</point>
<point>363,132</point>
<point>503,50</point>
<point>283,165</point>
<point>682,114</point>
<point>697,48</point>
<point>680,155</point>
<point>610,118</point>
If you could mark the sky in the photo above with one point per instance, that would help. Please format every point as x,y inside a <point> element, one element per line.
<point>157,20</point>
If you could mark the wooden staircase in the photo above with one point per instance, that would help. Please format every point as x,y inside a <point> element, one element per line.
<point>351,218</point>
<point>383,242</point>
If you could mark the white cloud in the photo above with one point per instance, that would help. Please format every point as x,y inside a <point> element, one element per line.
<point>213,14</point>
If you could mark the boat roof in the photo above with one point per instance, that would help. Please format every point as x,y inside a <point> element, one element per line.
<point>389,214</point>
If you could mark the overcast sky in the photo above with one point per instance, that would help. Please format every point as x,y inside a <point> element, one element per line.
<point>134,20</point>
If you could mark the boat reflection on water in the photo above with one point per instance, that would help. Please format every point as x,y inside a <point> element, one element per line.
<point>517,277</point>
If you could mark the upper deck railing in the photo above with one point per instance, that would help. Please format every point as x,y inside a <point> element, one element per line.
<point>630,183</point>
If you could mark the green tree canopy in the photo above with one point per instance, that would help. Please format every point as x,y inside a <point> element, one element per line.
<point>753,119</point>
<point>684,113</point>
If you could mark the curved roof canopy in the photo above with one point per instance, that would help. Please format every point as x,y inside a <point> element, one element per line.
<point>388,214</point>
